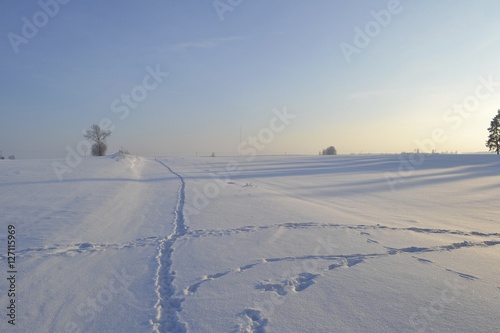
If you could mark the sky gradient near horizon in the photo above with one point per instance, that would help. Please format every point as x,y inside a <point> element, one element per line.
<point>428,67</point>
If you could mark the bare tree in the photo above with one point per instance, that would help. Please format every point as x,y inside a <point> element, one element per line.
<point>98,138</point>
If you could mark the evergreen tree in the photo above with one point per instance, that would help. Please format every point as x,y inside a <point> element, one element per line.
<point>493,142</point>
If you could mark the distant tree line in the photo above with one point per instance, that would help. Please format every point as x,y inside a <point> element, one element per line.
<point>11,157</point>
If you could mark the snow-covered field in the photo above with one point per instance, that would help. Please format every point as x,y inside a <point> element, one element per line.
<point>271,244</point>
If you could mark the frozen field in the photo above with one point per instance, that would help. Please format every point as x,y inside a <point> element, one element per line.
<point>275,244</point>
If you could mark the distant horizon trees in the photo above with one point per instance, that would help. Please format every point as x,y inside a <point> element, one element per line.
<point>493,142</point>
<point>329,151</point>
<point>98,138</point>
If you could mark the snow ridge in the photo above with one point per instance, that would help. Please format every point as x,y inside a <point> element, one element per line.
<point>168,304</point>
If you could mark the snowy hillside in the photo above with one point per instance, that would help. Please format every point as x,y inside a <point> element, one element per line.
<point>272,244</point>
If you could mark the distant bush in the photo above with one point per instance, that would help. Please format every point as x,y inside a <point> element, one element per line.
<point>329,151</point>
<point>123,151</point>
<point>12,157</point>
<point>121,154</point>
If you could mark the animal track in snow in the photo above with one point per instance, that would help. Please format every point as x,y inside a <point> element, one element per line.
<point>244,268</point>
<point>338,261</point>
<point>194,287</point>
<point>251,321</point>
<point>463,275</point>
<point>346,262</point>
<point>84,248</point>
<point>278,288</point>
<point>303,281</point>
<point>314,225</point>
<point>296,284</point>
<point>207,278</point>
<point>440,248</point>
<point>425,261</point>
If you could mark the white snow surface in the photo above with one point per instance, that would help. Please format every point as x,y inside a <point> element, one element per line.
<point>375,243</point>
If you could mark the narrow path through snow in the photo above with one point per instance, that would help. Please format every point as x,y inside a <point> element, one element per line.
<point>168,304</point>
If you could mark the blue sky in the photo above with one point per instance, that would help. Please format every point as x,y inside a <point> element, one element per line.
<point>389,96</point>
